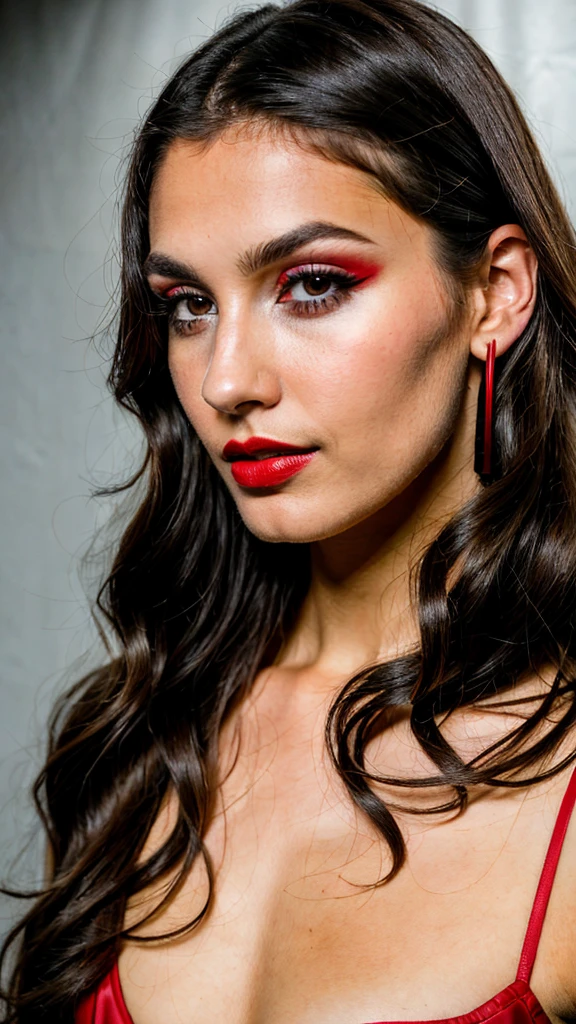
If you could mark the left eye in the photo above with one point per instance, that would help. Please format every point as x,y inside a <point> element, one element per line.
<point>311,286</point>
<point>310,291</point>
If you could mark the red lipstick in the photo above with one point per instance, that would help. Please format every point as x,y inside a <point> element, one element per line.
<point>276,461</point>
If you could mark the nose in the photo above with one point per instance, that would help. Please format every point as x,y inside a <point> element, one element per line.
<point>241,372</point>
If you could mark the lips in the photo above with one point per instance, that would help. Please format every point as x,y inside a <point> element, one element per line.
<point>264,462</point>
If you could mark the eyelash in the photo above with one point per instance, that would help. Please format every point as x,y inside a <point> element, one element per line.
<point>299,307</point>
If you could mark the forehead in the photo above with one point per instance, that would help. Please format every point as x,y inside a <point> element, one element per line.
<point>253,183</point>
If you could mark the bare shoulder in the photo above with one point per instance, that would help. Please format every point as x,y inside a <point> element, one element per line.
<point>557,953</point>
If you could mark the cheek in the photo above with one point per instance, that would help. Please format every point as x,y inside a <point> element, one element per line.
<point>390,372</point>
<point>187,376</point>
<point>188,372</point>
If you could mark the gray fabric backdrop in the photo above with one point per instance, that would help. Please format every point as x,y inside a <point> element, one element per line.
<point>75,77</point>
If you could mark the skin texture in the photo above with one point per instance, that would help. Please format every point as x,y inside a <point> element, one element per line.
<point>385,387</point>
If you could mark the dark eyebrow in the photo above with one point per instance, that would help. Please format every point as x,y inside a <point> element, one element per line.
<point>278,248</point>
<point>166,266</point>
<point>258,256</point>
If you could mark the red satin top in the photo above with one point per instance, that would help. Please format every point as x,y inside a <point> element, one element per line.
<point>515,1004</point>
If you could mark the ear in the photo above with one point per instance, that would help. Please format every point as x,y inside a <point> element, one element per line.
<point>506,292</point>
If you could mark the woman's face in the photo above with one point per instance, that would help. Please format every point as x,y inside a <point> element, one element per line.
<point>307,313</point>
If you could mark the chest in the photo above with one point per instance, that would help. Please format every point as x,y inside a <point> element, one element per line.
<point>298,930</point>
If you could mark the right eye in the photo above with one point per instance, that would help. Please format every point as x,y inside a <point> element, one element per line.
<point>187,310</point>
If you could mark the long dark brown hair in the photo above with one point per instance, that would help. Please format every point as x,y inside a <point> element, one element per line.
<point>194,602</point>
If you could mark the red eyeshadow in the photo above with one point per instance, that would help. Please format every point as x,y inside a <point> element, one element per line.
<point>172,291</point>
<point>353,265</point>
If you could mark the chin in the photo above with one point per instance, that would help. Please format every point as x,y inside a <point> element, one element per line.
<point>289,532</point>
<point>297,525</point>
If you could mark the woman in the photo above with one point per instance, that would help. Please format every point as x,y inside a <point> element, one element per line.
<point>335,739</point>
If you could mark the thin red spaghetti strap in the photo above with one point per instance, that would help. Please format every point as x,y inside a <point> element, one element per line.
<point>534,930</point>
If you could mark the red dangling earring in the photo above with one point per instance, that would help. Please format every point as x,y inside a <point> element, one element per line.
<point>484,458</point>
